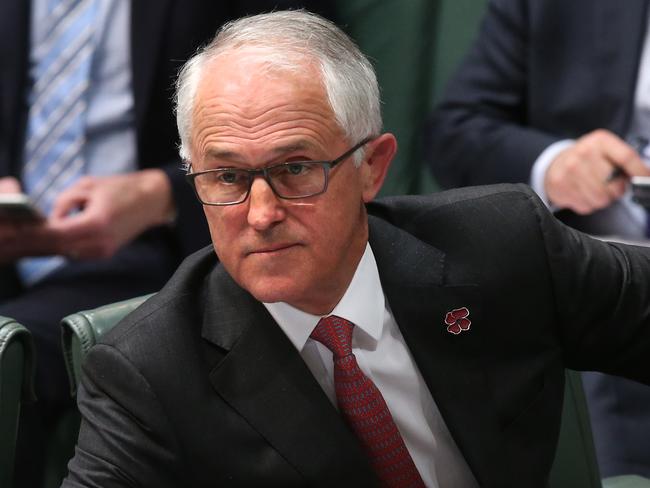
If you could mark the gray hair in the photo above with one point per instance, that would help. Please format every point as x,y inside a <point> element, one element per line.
<point>288,40</point>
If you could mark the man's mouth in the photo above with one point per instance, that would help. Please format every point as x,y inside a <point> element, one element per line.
<point>273,248</point>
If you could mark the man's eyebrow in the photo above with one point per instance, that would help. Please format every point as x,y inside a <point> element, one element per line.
<point>225,155</point>
<point>235,157</point>
<point>293,147</point>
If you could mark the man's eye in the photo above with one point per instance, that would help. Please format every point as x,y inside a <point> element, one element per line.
<point>228,177</point>
<point>297,169</point>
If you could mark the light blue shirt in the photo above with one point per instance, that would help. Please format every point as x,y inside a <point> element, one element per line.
<point>110,141</point>
<point>110,120</point>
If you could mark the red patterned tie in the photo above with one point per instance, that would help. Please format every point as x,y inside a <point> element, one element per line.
<point>364,409</point>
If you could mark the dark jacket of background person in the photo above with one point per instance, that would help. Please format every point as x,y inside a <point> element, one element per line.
<point>540,72</point>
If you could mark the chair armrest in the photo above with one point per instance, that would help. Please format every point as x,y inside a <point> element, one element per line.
<point>16,387</point>
<point>11,332</point>
<point>80,331</point>
<point>626,481</point>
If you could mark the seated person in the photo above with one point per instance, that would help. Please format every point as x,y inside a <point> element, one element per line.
<point>87,130</point>
<point>324,340</point>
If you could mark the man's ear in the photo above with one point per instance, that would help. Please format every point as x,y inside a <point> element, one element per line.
<point>379,154</point>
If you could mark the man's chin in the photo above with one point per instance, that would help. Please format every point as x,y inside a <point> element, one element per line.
<point>272,290</point>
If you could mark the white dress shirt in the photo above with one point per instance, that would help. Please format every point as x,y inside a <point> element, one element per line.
<point>383,356</point>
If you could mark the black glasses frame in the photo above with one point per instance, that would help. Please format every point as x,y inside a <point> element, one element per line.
<point>264,172</point>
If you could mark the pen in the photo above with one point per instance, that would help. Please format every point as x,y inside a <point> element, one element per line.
<point>639,144</point>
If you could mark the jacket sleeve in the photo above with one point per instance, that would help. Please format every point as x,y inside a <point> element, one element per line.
<point>602,296</point>
<point>583,302</point>
<point>125,438</point>
<point>480,133</point>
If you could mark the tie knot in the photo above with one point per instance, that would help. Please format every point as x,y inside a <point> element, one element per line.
<point>335,333</point>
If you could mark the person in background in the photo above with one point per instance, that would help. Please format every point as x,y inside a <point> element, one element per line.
<point>327,340</point>
<point>557,95</point>
<point>87,131</point>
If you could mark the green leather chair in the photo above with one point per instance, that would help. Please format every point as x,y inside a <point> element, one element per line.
<point>414,45</point>
<point>16,386</point>
<point>575,462</point>
<point>396,35</point>
<point>456,24</point>
<point>81,330</point>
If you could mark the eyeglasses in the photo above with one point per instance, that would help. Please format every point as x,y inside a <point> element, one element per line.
<point>290,180</point>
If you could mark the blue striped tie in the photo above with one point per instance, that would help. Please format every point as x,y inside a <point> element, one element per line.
<point>55,136</point>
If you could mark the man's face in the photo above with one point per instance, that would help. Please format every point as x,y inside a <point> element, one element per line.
<point>303,252</point>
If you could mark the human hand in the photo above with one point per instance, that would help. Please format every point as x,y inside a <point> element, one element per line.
<point>9,184</point>
<point>8,228</point>
<point>98,215</point>
<point>578,178</point>
<point>20,238</point>
<point>28,239</point>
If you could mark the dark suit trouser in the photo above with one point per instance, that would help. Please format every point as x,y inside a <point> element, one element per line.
<point>140,268</point>
<point>620,423</point>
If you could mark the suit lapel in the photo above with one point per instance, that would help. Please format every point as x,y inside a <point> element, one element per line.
<point>264,378</point>
<point>618,35</point>
<point>413,278</point>
<point>147,27</point>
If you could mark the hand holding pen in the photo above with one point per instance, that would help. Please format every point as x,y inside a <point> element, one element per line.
<point>592,173</point>
<point>640,145</point>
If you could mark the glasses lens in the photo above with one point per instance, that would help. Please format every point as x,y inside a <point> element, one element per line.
<point>222,186</point>
<point>299,179</point>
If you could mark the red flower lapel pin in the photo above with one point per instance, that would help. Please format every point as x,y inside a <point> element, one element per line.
<point>457,320</point>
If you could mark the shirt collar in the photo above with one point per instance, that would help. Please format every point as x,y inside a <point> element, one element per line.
<point>362,304</point>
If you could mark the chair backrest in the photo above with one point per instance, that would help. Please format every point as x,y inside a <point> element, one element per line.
<point>16,386</point>
<point>396,36</point>
<point>80,331</point>
<point>575,462</point>
<point>456,26</point>
<point>414,45</point>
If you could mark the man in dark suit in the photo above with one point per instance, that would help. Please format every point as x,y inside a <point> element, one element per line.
<point>137,219</point>
<point>540,73</point>
<point>556,94</point>
<point>319,329</point>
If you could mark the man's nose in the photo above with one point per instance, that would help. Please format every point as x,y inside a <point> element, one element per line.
<point>264,207</point>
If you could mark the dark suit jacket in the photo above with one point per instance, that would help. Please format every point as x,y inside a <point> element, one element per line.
<point>200,387</point>
<point>537,73</point>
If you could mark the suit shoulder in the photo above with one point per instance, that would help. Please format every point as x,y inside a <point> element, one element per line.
<point>160,315</point>
<point>475,200</point>
<point>473,219</point>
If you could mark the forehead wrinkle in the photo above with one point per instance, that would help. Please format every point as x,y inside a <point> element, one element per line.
<point>295,142</point>
<point>218,114</point>
<point>235,115</point>
<point>233,98</point>
<point>215,131</point>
